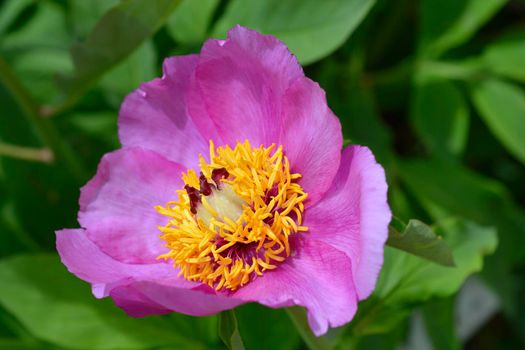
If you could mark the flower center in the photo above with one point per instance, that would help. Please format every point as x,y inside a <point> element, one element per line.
<point>233,220</point>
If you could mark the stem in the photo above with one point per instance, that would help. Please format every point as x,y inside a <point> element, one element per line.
<point>43,155</point>
<point>395,75</point>
<point>45,129</point>
<point>464,70</point>
<point>298,317</point>
<point>405,70</point>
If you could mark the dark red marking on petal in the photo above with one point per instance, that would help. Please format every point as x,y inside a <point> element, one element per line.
<point>271,193</point>
<point>269,220</point>
<point>240,251</point>
<point>195,197</point>
<point>205,185</point>
<point>218,174</point>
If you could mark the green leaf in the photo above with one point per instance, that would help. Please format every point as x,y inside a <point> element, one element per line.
<point>312,29</point>
<point>228,330</point>
<point>263,328</point>
<point>16,344</point>
<point>456,190</point>
<point>506,58</point>
<point>390,340</point>
<point>37,51</point>
<point>440,116</point>
<point>440,324</point>
<point>85,14</point>
<point>120,31</point>
<point>58,308</point>
<point>189,23</point>
<point>406,280</point>
<point>419,281</point>
<point>37,69</point>
<point>47,29</point>
<point>447,24</point>
<point>473,196</point>
<point>419,239</point>
<point>138,67</point>
<point>10,10</point>
<point>502,107</point>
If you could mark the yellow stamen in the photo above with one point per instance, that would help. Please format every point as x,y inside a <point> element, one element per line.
<point>240,229</point>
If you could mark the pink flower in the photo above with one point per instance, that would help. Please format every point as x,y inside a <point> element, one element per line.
<point>232,187</point>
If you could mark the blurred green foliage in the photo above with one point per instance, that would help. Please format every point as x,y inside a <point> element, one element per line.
<point>435,88</point>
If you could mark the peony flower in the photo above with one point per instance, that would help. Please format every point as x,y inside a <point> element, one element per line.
<point>231,186</point>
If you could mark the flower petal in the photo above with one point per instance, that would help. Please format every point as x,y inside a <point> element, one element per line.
<point>155,115</point>
<point>354,216</point>
<point>318,277</point>
<point>311,137</point>
<point>117,205</point>
<point>193,302</point>
<point>140,289</point>
<point>241,81</point>
<point>87,261</point>
<point>135,303</point>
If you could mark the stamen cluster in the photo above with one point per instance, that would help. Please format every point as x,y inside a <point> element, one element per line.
<point>233,221</point>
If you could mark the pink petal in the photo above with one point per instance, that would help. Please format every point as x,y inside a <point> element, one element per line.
<point>117,205</point>
<point>88,262</point>
<point>311,137</point>
<point>135,303</point>
<point>187,301</point>
<point>318,277</point>
<point>354,216</point>
<point>155,115</point>
<point>140,289</point>
<point>241,82</point>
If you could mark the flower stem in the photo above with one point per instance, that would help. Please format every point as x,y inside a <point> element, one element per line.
<point>43,155</point>
<point>404,72</point>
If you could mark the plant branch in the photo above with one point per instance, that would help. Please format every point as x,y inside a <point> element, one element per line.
<point>43,155</point>
<point>45,129</point>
